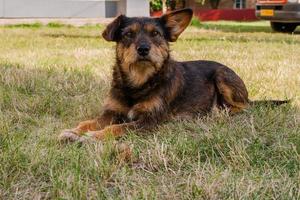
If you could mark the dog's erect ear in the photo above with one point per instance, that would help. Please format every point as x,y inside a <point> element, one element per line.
<point>112,29</point>
<point>175,22</point>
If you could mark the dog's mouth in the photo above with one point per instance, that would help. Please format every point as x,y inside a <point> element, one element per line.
<point>143,59</point>
<point>142,62</point>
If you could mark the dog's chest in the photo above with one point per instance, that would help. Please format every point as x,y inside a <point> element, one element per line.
<point>139,75</point>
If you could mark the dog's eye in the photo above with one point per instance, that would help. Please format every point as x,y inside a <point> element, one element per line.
<point>129,34</point>
<point>155,33</point>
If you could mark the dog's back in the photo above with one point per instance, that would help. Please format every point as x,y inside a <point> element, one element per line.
<point>199,93</point>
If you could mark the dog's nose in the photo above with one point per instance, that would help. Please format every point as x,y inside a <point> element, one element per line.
<point>143,50</point>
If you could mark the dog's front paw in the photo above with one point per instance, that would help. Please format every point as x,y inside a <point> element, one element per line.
<point>133,114</point>
<point>87,137</point>
<point>68,135</point>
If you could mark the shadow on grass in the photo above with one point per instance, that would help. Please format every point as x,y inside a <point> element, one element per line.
<point>51,91</point>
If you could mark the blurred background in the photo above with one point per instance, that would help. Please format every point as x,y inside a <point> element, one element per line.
<point>283,14</point>
<point>109,8</point>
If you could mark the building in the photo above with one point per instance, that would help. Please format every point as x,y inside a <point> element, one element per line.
<point>224,4</point>
<point>227,9</point>
<point>72,8</point>
<point>236,10</point>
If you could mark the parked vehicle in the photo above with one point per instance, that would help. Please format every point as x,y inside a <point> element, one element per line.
<point>283,14</point>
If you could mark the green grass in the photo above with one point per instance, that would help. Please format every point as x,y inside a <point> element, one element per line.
<point>52,77</point>
<point>231,26</point>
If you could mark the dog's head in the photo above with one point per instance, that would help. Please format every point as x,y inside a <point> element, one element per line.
<point>142,42</point>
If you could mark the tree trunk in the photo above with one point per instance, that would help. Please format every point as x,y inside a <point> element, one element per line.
<point>164,6</point>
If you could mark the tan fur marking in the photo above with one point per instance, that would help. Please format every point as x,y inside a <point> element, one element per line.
<point>138,72</point>
<point>149,27</point>
<point>116,130</point>
<point>89,125</point>
<point>148,106</point>
<point>83,127</point>
<point>120,51</point>
<point>134,27</point>
<point>227,94</point>
<point>152,104</point>
<point>158,54</point>
<point>129,57</point>
<point>115,105</point>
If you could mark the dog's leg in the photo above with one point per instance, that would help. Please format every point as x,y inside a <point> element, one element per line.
<point>145,115</point>
<point>107,118</point>
<point>232,89</point>
<point>152,108</point>
<point>118,130</point>
<point>115,131</point>
<point>112,111</point>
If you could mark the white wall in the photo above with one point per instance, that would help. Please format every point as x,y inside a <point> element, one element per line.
<point>1,8</point>
<point>72,8</point>
<point>136,8</point>
<point>59,8</point>
<point>122,7</point>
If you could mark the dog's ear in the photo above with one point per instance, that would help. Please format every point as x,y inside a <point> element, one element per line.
<point>176,22</point>
<point>112,29</point>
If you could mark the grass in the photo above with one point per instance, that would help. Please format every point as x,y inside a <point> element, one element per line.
<point>52,77</point>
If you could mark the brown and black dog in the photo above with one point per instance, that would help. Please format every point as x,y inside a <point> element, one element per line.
<point>149,87</point>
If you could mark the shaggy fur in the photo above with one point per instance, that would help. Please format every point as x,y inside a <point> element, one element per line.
<point>149,87</point>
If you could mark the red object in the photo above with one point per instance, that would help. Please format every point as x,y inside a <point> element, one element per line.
<point>272,1</point>
<point>156,13</point>
<point>225,14</point>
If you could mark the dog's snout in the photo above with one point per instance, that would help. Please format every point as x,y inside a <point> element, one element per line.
<point>143,49</point>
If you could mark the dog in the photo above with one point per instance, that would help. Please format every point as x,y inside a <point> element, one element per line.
<point>149,87</point>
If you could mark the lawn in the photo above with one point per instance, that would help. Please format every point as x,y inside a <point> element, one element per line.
<point>52,77</point>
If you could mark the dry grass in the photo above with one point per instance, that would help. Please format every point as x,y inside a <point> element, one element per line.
<point>51,77</point>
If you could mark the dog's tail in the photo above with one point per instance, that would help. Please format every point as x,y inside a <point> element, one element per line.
<point>269,102</point>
